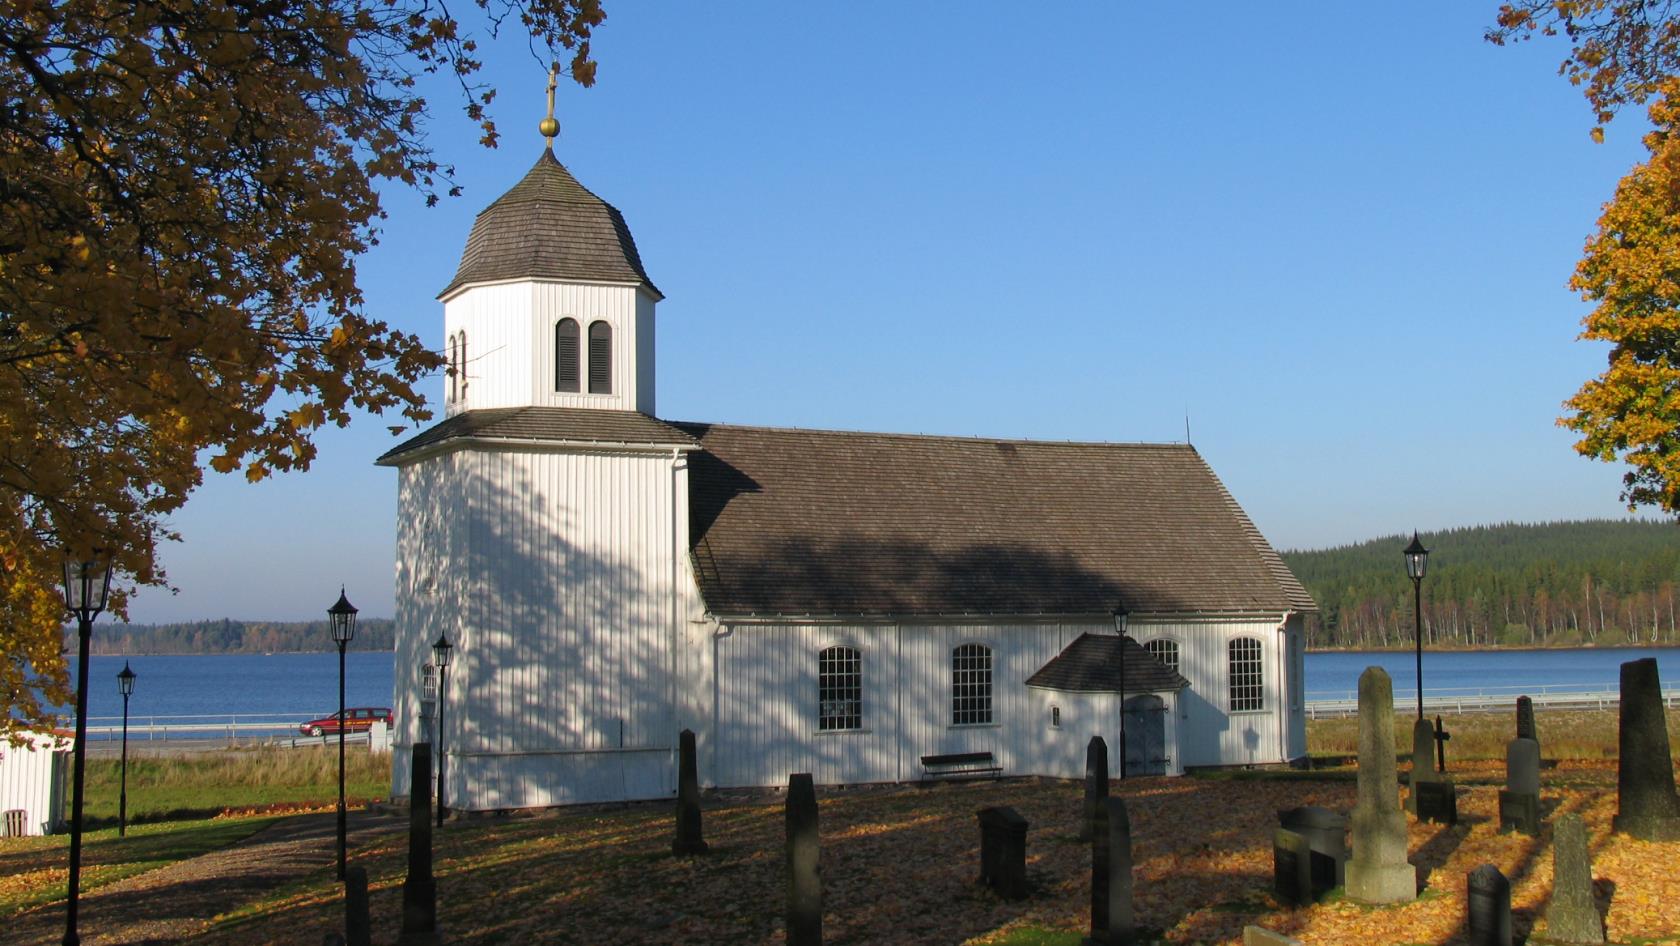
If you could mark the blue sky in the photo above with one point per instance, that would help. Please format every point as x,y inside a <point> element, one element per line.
<point>1339,243</point>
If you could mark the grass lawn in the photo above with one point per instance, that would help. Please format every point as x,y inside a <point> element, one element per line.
<point>1564,734</point>
<point>205,784</point>
<point>35,870</point>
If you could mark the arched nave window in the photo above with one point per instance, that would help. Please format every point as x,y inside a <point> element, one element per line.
<point>1164,650</point>
<point>600,358</point>
<point>971,685</point>
<point>566,355</point>
<point>1247,692</point>
<point>840,689</point>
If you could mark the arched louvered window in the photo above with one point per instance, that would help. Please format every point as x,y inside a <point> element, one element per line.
<point>566,355</point>
<point>454,370</point>
<point>840,688</point>
<point>971,685</point>
<point>1164,650</point>
<point>1244,665</point>
<point>600,358</point>
<point>461,371</point>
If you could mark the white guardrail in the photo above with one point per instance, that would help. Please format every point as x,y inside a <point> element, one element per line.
<point>1323,705</point>
<point>281,729</point>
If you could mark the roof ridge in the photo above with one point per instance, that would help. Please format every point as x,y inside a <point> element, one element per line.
<point>952,438</point>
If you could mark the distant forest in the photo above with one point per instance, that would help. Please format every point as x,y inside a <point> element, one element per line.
<point>1602,583</point>
<point>233,637</point>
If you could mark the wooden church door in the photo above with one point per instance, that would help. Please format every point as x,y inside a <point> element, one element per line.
<point>1145,719</point>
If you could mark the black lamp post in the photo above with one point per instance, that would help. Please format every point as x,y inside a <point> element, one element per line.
<point>342,616</point>
<point>125,686</point>
<point>440,656</point>
<point>1417,560</point>
<point>87,589</point>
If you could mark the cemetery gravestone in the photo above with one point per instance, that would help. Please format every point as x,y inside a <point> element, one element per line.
<point>1326,834</point>
<point>1111,877</point>
<point>1490,907</point>
<point>1572,916</point>
<point>358,926</point>
<point>1647,807</point>
<point>1525,719</point>
<point>1003,851</point>
<point>419,924</point>
<point>1423,761</point>
<point>1096,785</point>
<point>1260,936</point>
<point>1378,872</point>
<point>1438,801</point>
<point>690,838</point>
<point>804,887</point>
<point>1292,879</point>
<point>1519,801</point>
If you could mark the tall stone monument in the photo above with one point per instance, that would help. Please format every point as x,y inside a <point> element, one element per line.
<point>1647,807</point>
<point>1378,872</point>
<point>1423,761</point>
<point>1096,786</point>
<point>1112,919</point>
<point>689,839</point>
<point>1572,916</point>
<point>804,886</point>
<point>419,914</point>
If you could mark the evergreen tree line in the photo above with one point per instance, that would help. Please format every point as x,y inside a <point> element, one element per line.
<point>233,637</point>
<point>1601,583</point>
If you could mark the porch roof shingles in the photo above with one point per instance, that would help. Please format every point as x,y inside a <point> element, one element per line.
<point>1092,664</point>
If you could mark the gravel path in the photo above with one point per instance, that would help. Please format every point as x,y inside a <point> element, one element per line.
<point>172,904</point>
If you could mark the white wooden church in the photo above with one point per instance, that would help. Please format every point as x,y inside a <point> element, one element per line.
<point>819,601</point>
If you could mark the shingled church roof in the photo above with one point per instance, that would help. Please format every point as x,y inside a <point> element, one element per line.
<point>822,522</point>
<point>548,226</point>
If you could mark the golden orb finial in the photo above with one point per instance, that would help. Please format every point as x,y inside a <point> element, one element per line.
<point>549,127</point>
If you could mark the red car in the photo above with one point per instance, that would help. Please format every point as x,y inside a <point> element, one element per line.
<point>360,719</point>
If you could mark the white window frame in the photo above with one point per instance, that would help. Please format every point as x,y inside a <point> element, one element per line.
<point>971,684</point>
<point>839,689</point>
<point>1245,681</point>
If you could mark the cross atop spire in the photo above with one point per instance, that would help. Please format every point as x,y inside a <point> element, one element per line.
<point>549,127</point>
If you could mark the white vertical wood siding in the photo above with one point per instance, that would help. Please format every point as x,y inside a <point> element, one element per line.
<point>1210,733</point>
<point>561,687</point>
<point>497,322</point>
<point>428,578</point>
<point>619,307</point>
<point>510,344</point>
<point>32,780</point>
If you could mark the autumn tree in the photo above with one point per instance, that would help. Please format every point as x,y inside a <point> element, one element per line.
<point>1627,52</point>
<point>185,186</point>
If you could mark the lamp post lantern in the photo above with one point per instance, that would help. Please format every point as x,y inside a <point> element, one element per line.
<point>440,656</point>
<point>125,686</point>
<point>1417,560</point>
<point>342,616</point>
<point>87,589</point>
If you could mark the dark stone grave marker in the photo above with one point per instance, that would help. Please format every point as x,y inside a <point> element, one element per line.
<point>1326,833</point>
<point>1003,851</point>
<point>1490,907</point>
<point>1519,801</point>
<point>419,923</point>
<point>358,927</point>
<point>1572,916</point>
<point>690,838</point>
<point>1111,877</point>
<point>1096,785</point>
<point>804,886</point>
<point>1437,801</point>
<point>1525,719</point>
<point>1292,879</point>
<point>1647,807</point>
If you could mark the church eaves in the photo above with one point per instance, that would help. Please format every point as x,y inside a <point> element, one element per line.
<point>548,226</point>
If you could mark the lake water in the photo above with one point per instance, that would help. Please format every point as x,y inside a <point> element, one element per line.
<point>306,685</point>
